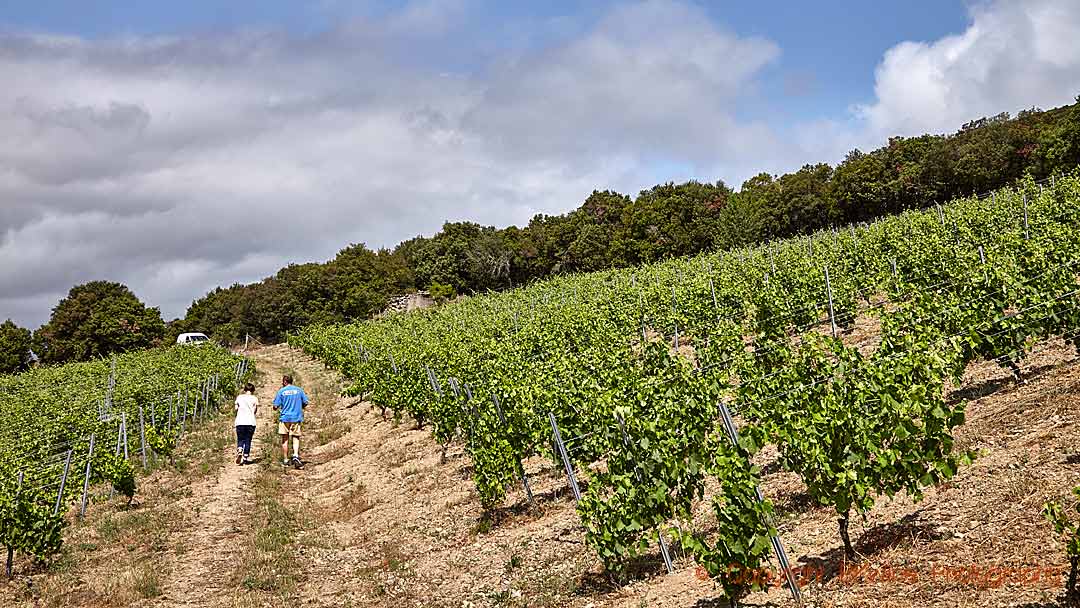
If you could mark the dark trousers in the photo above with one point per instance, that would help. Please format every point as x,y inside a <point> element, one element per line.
<point>244,433</point>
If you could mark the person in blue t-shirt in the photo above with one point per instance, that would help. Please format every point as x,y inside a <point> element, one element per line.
<point>290,402</point>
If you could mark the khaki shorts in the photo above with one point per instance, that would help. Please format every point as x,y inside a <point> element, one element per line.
<point>291,429</point>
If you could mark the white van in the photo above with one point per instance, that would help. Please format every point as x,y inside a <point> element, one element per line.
<point>195,339</point>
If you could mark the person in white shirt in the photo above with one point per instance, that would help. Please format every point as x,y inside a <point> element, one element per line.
<point>247,405</point>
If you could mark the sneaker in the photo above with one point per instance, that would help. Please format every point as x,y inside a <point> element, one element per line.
<point>284,463</point>
<point>296,462</point>
<point>239,456</point>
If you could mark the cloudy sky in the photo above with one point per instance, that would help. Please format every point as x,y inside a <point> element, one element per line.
<point>215,141</point>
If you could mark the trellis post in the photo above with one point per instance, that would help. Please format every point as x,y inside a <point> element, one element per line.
<point>565,457</point>
<point>86,477</point>
<point>142,435</point>
<point>982,260</point>
<point>778,546</point>
<point>1026,233</point>
<point>63,483</point>
<point>11,549</point>
<point>520,467</point>
<point>123,425</point>
<point>828,290</point>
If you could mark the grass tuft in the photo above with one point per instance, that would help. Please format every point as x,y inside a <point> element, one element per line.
<point>269,565</point>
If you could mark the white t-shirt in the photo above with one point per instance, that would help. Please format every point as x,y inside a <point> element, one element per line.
<point>245,409</point>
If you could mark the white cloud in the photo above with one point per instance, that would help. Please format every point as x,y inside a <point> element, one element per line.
<point>178,163</point>
<point>650,77</point>
<point>1013,55</point>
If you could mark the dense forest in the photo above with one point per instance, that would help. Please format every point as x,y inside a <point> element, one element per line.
<point>611,229</point>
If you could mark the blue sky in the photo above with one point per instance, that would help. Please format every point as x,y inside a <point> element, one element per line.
<point>165,145</point>
<point>834,46</point>
<point>829,49</point>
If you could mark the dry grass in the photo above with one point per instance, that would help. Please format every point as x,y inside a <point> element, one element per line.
<point>437,528</point>
<point>335,452</point>
<point>355,500</point>
<point>119,569</point>
<point>394,456</point>
<point>331,427</point>
<point>130,585</point>
<point>379,520</point>
<point>199,454</point>
<point>269,566</point>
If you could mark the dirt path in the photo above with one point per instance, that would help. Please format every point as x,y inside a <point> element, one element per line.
<point>220,511</point>
<point>380,518</point>
<point>399,526</point>
<point>389,522</point>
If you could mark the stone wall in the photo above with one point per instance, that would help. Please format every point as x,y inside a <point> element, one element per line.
<point>409,301</point>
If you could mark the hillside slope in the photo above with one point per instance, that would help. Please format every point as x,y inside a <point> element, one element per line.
<point>615,230</point>
<point>378,518</point>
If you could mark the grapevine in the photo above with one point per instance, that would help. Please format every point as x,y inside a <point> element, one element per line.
<point>633,363</point>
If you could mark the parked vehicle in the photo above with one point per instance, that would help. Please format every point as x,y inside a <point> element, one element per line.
<point>194,338</point>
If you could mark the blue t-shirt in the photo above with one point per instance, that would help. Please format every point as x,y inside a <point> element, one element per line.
<point>291,401</point>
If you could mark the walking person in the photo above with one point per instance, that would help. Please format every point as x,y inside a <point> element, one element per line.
<point>290,402</point>
<point>247,406</point>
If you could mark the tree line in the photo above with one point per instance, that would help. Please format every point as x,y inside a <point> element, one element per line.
<point>96,319</point>
<point>608,230</point>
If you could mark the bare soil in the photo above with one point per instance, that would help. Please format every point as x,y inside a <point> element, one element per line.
<point>383,520</point>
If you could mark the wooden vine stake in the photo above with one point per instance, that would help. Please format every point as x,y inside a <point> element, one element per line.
<point>1024,198</point>
<point>123,425</point>
<point>982,260</point>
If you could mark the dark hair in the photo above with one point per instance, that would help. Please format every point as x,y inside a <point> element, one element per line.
<point>249,387</point>
<point>287,379</point>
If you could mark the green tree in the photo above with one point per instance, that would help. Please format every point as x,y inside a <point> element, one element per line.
<point>985,154</point>
<point>1059,147</point>
<point>859,186</point>
<point>673,220</point>
<point>95,320</point>
<point>609,230</point>
<point>15,344</point>
<point>363,280</point>
<point>746,218</point>
<point>225,314</point>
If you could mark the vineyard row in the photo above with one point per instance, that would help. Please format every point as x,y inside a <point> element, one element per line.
<point>837,348</point>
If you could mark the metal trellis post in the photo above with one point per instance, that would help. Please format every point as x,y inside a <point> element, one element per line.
<point>86,478</point>
<point>63,482</point>
<point>778,546</point>
<point>828,290</point>
<point>567,465</point>
<point>142,435</point>
<point>11,550</point>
